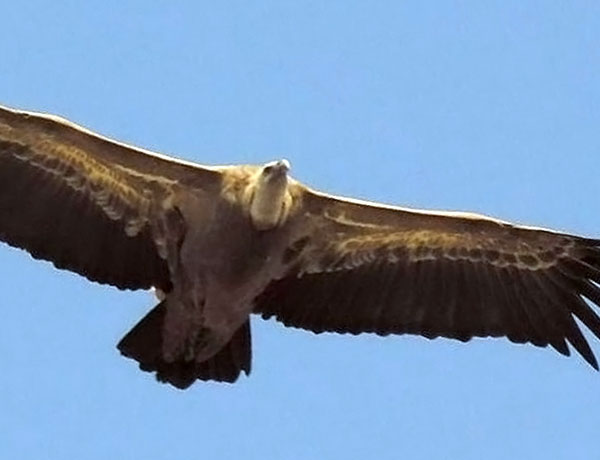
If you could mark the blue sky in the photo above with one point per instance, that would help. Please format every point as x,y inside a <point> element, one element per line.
<point>489,106</point>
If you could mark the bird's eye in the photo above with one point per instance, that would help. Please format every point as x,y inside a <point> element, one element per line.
<point>268,169</point>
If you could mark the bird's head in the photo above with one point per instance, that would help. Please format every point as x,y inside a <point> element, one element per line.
<point>270,197</point>
<point>275,170</point>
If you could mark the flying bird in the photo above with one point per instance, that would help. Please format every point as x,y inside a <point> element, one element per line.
<point>220,243</point>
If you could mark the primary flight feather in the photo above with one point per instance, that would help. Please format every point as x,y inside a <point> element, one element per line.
<point>223,242</point>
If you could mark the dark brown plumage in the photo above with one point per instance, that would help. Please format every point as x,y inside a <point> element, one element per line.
<point>224,242</point>
<point>439,276</point>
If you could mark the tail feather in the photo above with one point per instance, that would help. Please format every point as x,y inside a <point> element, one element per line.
<point>144,344</point>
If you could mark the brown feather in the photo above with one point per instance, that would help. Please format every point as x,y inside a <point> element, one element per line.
<point>434,274</point>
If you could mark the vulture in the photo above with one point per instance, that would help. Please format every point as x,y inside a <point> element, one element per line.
<point>221,243</point>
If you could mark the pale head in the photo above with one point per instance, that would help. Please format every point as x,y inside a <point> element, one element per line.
<point>270,198</point>
<point>276,170</point>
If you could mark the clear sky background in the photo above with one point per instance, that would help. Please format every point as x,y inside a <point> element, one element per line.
<point>488,106</point>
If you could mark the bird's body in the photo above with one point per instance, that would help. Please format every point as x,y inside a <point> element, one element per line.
<point>221,243</point>
<point>224,256</point>
<point>223,262</point>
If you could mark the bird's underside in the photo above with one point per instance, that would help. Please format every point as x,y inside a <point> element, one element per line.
<point>224,242</point>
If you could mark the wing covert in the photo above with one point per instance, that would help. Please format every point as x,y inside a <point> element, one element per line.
<point>88,204</point>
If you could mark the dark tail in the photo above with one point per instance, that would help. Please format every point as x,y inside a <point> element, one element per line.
<point>144,344</point>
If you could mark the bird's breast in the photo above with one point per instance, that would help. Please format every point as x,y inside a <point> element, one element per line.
<point>222,243</point>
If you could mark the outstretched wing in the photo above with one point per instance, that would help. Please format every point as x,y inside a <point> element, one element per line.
<point>358,267</point>
<point>88,204</point>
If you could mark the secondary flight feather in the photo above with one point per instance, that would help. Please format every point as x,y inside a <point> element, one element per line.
<point>221,243</point>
